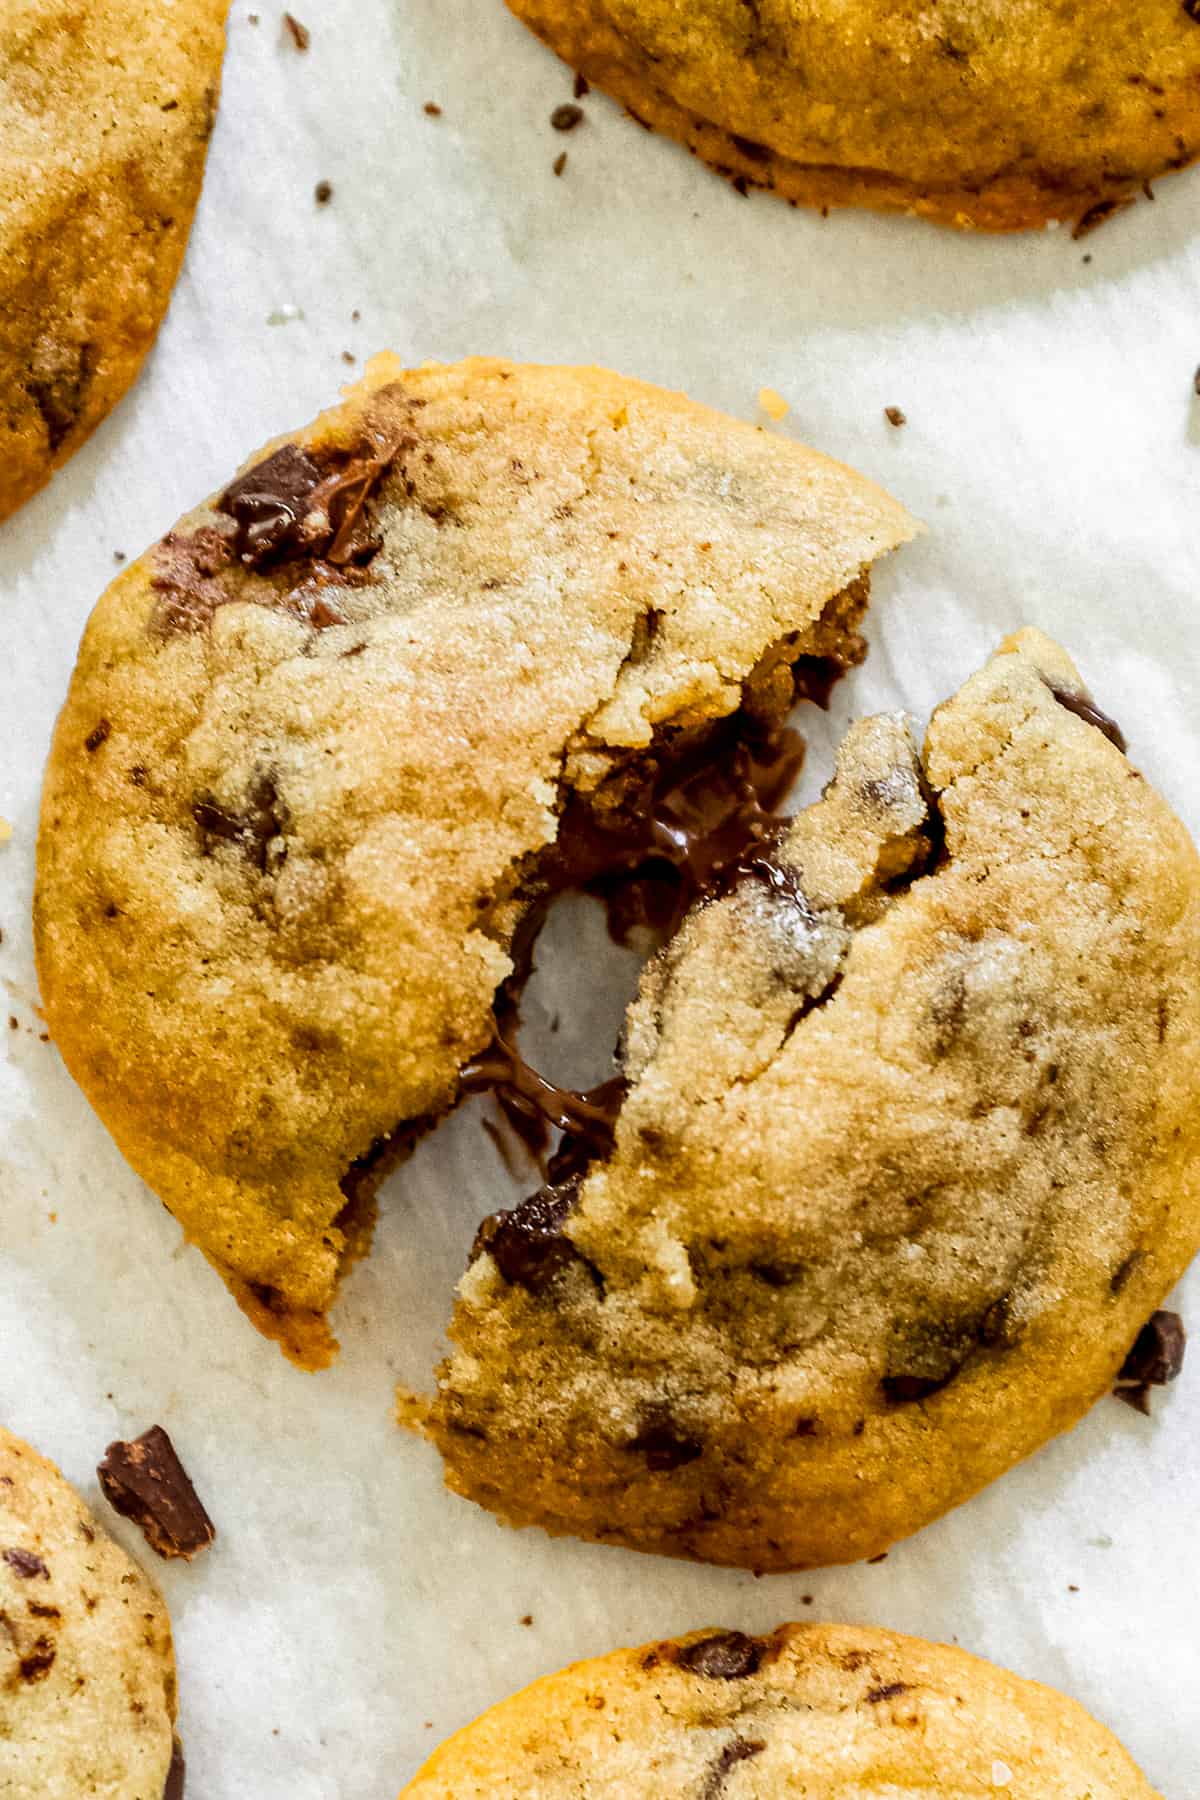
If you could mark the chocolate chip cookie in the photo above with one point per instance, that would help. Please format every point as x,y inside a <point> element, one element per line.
<point>832,1712</point>
<point>909,1152</point>
<point>105,113</point>
<point>320,739</point>
<point>87,1672</point>
<point>969,113</point>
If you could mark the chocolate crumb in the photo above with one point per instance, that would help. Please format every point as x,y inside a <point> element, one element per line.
<point>145,1481</point>
<point>348,356</point>
<point>566,117</point>
<point>525,1619</point>
<point>725,1656</point>
<point>300,35</point>
<point>583,87</point>
<point>895,417</point>
<point>175,1774</point>
<point>1155,1359</point>
<point>432,110</point>
<point>560,162</point>
<point>27,1564</point>
<point>323,193</point>
<point>119,555</point>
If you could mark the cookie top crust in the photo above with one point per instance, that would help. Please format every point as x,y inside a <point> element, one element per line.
<point>835,1712</point>
<point>909,1154</point>
<point>318,738</point>
<point>105,114</point>
<point>87,1672</point>
<point>994,113</point>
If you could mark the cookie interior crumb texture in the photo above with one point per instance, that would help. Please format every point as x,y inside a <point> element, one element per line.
<point>101,159</point>
<point>909,1153</point>
<point>87,1671</point>
<point>319,738</point>
<point>972,114</point>
<point>830,1712</point>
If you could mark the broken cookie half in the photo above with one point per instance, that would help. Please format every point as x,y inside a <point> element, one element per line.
<point>320,740</point>
<point>909,1151</point>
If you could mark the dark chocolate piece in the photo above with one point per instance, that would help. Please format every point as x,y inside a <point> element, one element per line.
<point>145,1481</point>
<point>738,1749</point>
<point>1091,714</point>
<point>27,1564</point>
<point>528,1243</point>
<point>269,504</point>
<point>175,1774</point>
<point>663,1444</point>
<point>1155,1359</point>
<point>725,1656</point>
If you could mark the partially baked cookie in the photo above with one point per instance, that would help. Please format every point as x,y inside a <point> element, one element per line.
<point>909,1153</point>
<point>970,113</point>
<point>830,1712</point>
<point>320,738</point>
<point>87,1672</point>
<point>105,113</point>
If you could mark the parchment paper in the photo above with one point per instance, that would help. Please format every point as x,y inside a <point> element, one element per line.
<point>351,1613</point>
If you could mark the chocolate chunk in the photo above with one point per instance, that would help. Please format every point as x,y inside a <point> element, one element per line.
<point>60,394</point>
<point>738,1749</point>
<point>27,1564</point>
<point>268,504</point>
<point>895,417</point>
<point>725,1656</point>
<point>1155,1359</point>
<point>566,117</point>
<point>255,829</point>
<point>37,1663</point>
<point>876,1694</point>
<point>662,1443</point>
<point>901,1389</point>
<point>1090,714</point>
<point>175,1774</point>
<point>145,1481</point>
<point>528,1244</point>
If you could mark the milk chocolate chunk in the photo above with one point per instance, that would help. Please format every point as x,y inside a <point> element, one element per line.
<point>268,506</point>
<point>146,1482</point>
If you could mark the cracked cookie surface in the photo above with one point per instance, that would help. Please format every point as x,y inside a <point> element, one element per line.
<point>833,1712</point>
<point>319,737</point>
<point>908,1155</point>
<point>87,1672</point>
<point>105,114</point>
<point>974,113</point>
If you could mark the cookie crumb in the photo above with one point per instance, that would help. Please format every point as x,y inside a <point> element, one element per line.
<point>895,417</point>
<point>773,404</point>
<point>567,116</point>
<point>6,831</point>
<point>284,315</point>
<point>560,162</point>
<point>300,35</point>
<point>432,110</point>
<point>1001,1774</point>
<point>323,193</point>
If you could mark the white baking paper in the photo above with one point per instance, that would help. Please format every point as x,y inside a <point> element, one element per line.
<point>351,1613</point>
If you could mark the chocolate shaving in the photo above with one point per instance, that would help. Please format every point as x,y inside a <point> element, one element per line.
<point>1090,713</point>
<point>1155,1360</point>
<point>145,1481</point>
